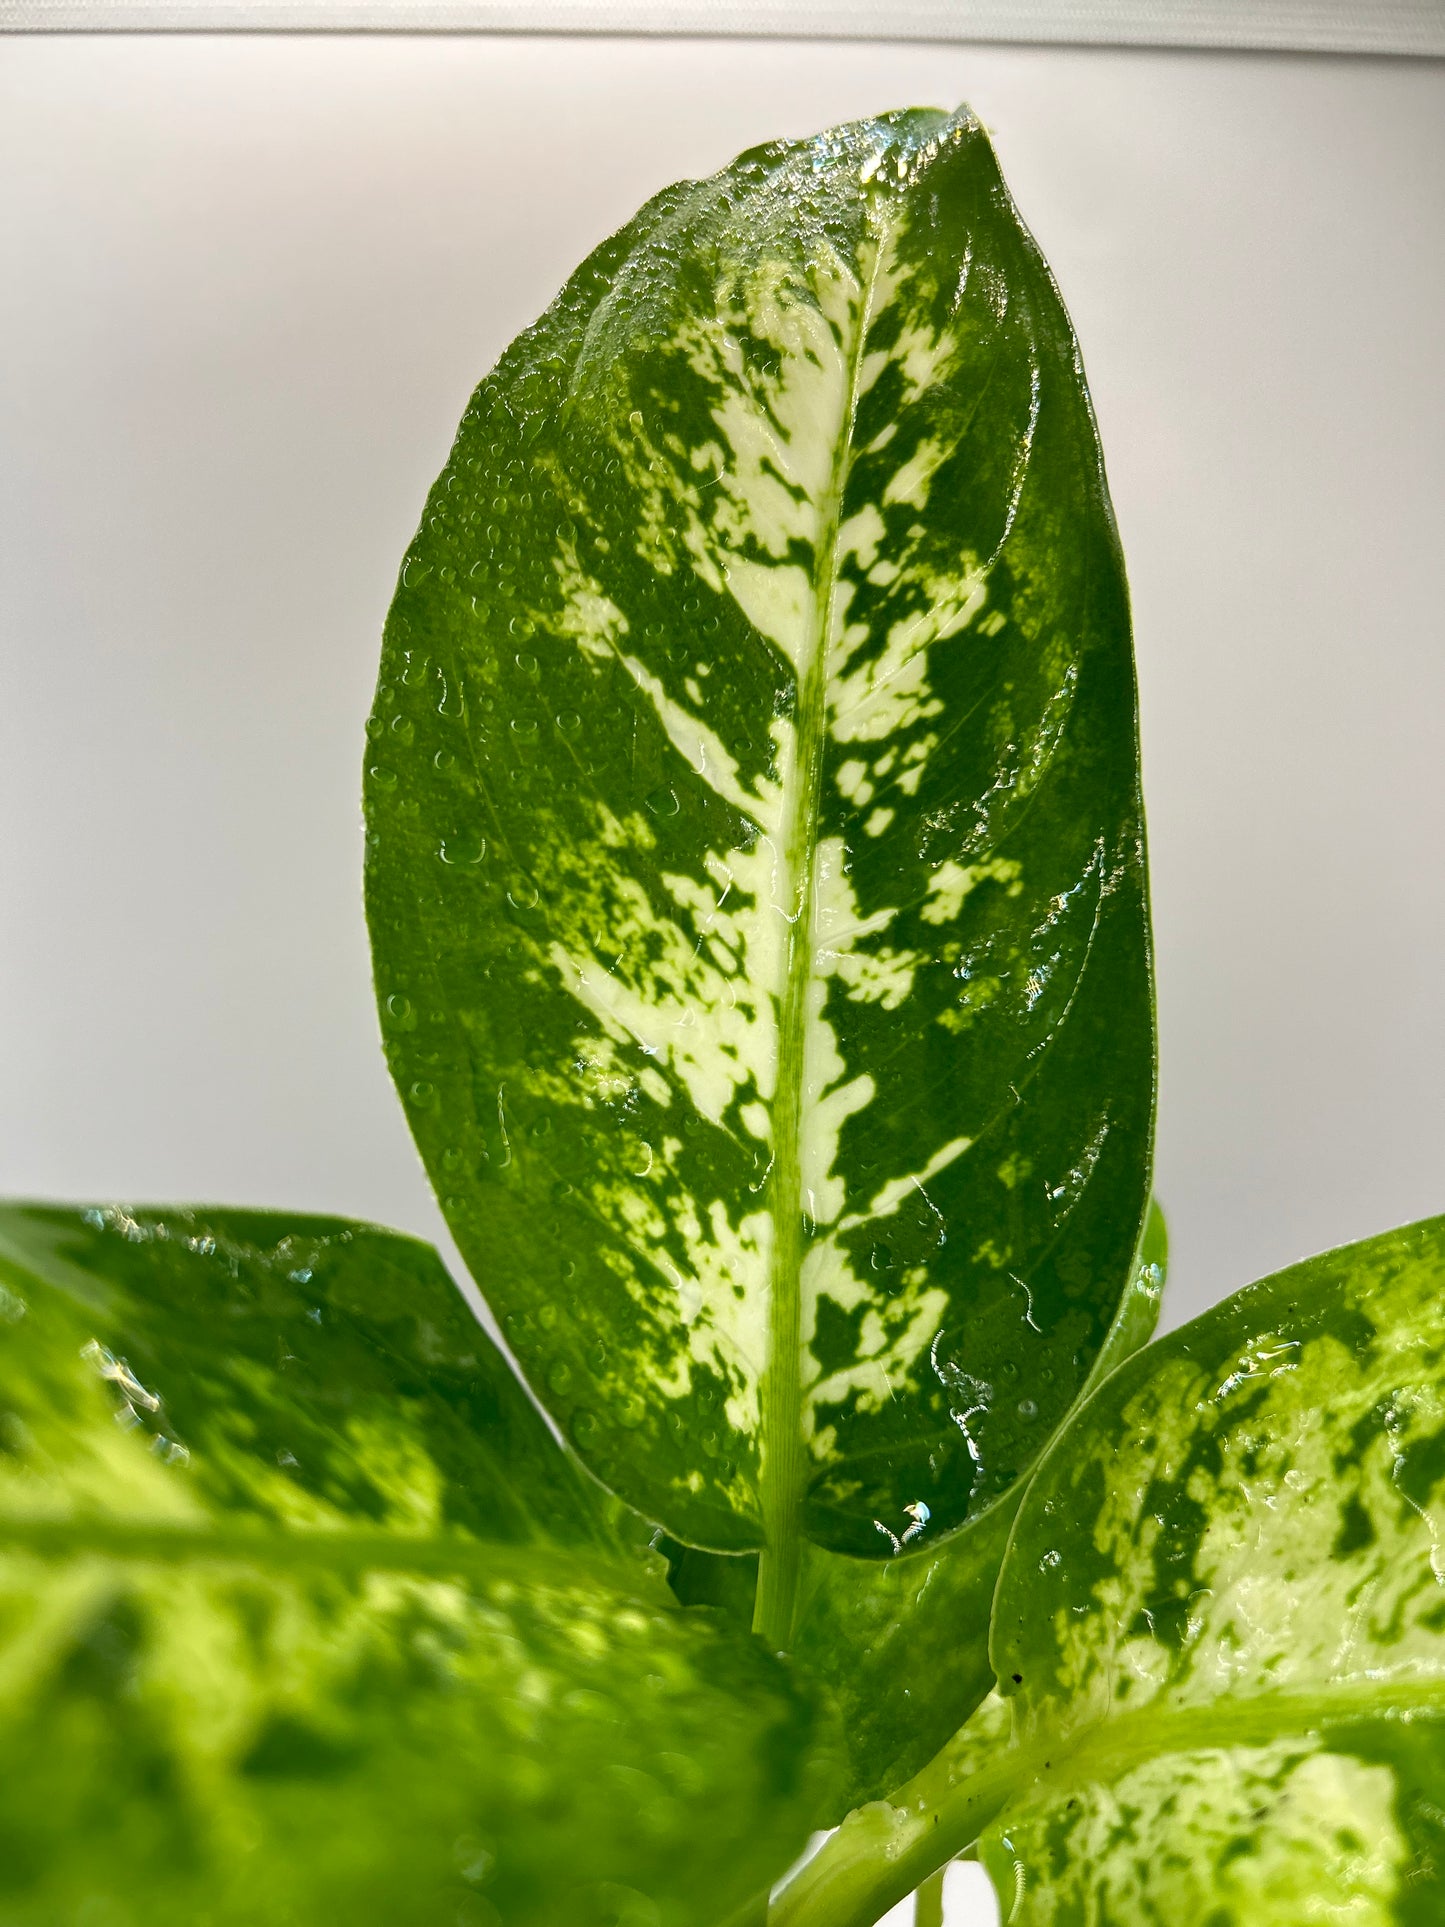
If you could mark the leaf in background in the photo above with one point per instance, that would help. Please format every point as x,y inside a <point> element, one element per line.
<point>1221,1622</point>
<point>304,1615</point>
<point>755,870</point>
<point>901,1646</point>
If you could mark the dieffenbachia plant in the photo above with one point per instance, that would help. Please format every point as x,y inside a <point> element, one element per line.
<point>756,882</point>
<point>756,872</point>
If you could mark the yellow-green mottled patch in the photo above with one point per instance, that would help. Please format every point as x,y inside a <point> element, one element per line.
<point>304,1615</point>
<point>1221,1621</point>
<point>1273,1836</point>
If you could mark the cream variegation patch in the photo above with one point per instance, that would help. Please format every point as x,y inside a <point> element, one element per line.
<point>698,982</point>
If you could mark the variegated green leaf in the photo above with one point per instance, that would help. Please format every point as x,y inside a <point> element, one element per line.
<point>305,1617</point>
<point>1222,1617</point>
<point>1219,1636</point>
<point>755,875</point>
<point>901,1646</point>
<point>319,1375</point>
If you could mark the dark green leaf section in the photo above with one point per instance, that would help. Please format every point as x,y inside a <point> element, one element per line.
<point>281,1641</point>
<point>1138,1312</point>
<point>308,1373</point>
<point>902,1647</point>
<point>755,866</point>
<point>1221,1621</point>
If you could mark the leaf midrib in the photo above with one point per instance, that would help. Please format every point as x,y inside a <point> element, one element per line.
<point>347,1552</point>
<point>782,1472</point>
<point>884,1851</point>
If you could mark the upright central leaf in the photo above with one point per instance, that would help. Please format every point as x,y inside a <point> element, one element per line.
<point>755,868</point>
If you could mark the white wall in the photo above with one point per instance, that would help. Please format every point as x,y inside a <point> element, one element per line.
<point>248,284</point>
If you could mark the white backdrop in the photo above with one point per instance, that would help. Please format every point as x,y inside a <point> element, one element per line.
<point>248,286</point>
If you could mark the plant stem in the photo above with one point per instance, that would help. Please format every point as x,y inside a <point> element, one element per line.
<point>883,1851</point>
<point>928,1909</point>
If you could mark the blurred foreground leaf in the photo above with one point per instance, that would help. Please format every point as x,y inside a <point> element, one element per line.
<point>305,1617</point>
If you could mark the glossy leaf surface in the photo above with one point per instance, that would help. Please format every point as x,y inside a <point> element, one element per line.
<point>1221,1624</point>
<point>281,1640</point>
<point>901,1646</point>
<point>756,878</point>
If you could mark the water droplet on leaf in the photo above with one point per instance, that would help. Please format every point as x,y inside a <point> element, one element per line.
<point>463,849</point>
